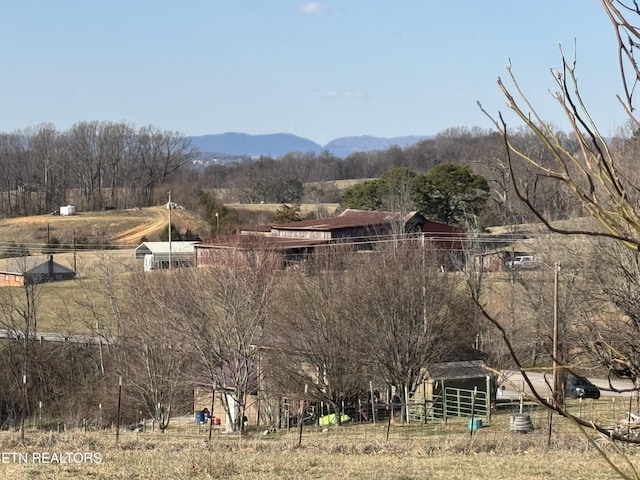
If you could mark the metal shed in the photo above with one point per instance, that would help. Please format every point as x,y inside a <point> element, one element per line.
<point>460,389</point>
<point>158,255</point>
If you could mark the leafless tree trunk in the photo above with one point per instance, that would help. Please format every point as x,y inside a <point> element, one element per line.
<point>409,314</point>
<point>591,169</point>
<point>224,311</point>
<point>154,361</point>
<point>312,343</point>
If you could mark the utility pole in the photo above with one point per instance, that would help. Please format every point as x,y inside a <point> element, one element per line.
<point>558,377</point>
<point>169,206</point>
<point>118,414</point>
<point>75,268</point>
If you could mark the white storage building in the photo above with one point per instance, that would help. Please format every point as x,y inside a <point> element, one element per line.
<point>156,255</point>
<point>68,210</point>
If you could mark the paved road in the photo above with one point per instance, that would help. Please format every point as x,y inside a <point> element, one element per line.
<point>515,383</point>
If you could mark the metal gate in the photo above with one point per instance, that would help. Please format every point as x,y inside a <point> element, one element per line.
<point>459,402</point>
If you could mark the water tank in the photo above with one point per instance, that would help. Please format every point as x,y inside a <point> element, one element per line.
<point>520,423</point>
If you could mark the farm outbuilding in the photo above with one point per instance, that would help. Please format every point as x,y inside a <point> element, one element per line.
<point>495,259</point>
<point>246,251</point>
<point>158,255</point>
<point>458,389</point>
<point>68,210</point>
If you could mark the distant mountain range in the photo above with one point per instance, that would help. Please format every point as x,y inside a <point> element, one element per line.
<point>278,144</point>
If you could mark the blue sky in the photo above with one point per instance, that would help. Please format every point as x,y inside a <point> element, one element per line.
<point>320,70</point>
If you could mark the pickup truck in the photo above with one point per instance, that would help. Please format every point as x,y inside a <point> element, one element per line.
<point>524,262</point>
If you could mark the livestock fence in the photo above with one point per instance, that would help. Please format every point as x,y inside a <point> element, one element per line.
<point>394,422</point>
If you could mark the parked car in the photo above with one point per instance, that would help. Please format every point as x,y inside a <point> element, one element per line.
<point>522,262</point>
<point>580,387</point>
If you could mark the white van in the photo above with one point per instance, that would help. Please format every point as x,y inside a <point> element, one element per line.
<point>524,262</point>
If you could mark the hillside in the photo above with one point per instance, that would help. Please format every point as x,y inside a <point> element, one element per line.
<point>115,228</point>
<point>276,144</point>
<point>345,146</point>
<point>110,228</point>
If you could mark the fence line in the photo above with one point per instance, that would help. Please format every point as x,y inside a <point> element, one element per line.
<point>391,427</point>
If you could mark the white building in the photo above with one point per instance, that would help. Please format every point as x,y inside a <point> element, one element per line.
<point>156,255</point>
<point>68,210</point>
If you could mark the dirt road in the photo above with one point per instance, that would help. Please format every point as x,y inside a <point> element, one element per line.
<point>133,235</point>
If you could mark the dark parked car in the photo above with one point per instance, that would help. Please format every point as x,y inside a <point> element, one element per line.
<point>580,387</point>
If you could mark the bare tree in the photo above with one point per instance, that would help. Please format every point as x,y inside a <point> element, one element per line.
<point>610,337</point>
<point>589,169</point>
<point>118,141</point>
<point>312,342</point>
<point>223,312</point>
<point>152,357</point>
<point>45,153</point>
<point>158,154</point>
<point>409,313</point>
<point>594,172</point>
<point>18,318</point>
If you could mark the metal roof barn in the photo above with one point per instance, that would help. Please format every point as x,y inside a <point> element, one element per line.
<point>157,255</point>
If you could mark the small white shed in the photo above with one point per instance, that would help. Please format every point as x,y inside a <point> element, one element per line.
<point>68,210</point>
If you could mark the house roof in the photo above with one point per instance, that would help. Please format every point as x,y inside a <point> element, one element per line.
<point>348,219</point>
<point>43,268</point>
<point>162,248</point>
<point>25,265</point>
<point>274,236</point>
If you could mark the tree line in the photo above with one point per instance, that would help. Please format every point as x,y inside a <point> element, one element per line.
<point>94,165</point>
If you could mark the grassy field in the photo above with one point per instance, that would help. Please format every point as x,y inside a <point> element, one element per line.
<point>62,306</point>
<point>305,208</point>
<point>109,228</point>
<point>435,451</point>
<point>229,195</point>
<point>61,303</point>
<point>340,185</point>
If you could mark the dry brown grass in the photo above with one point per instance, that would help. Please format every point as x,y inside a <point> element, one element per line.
<point>580,223</point>
<point>305,208</point>
<point>442,452</point>
<point>338,184</point>
<point>227,195</point>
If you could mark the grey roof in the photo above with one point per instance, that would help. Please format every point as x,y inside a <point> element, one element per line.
<point>22,265</point>
<point>162,248</point>
<point>458,370</point>
<point>43,269</point>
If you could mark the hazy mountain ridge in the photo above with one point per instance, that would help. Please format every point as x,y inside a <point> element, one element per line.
<point>278,144</point>
<point>344,146</point>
